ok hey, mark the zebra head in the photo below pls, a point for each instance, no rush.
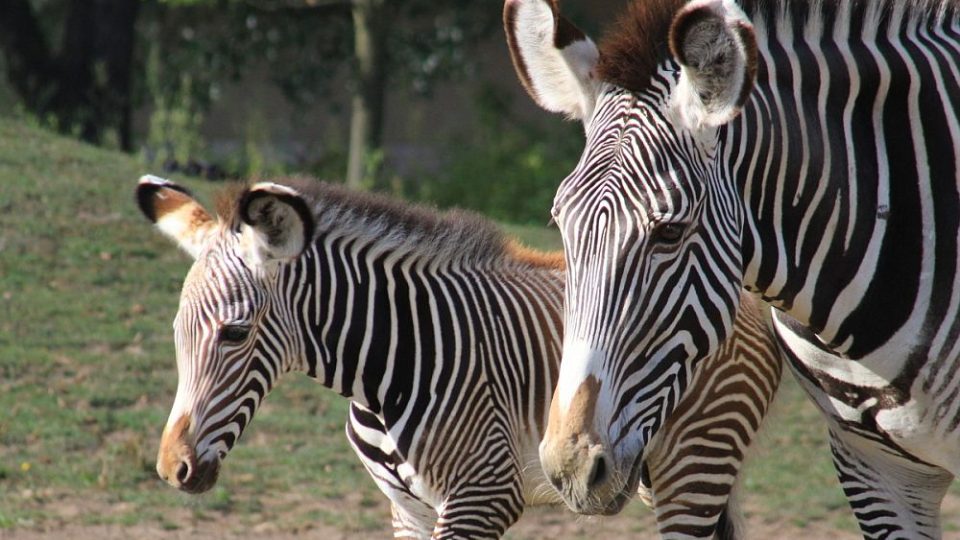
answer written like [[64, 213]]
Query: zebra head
[[650, 222], [228, 331]]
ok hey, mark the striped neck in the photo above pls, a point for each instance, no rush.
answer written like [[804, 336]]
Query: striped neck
[[384, 317], [834, 156]]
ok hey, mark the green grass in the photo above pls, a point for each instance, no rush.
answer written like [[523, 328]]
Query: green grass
[[88, 291], [87, 295], [790, 476]]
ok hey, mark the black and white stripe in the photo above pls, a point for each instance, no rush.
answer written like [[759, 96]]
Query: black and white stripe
[[447, 340], [834, 195]]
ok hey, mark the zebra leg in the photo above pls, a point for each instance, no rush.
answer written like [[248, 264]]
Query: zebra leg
[[892, 495], [410, 525], [710, 513], [693, 489], [481, 510], [412, 518], [692, 463]]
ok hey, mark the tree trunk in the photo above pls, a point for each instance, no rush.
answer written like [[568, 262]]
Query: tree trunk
[[114, 46], [74, 101], [30, 69], [68, 87], [366, 117]]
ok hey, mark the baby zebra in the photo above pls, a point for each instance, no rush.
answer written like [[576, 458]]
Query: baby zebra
[[446, 338]]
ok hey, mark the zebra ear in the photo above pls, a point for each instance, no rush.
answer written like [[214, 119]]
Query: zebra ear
[[715, 45], [175, 212], [277, 222], [553, 58]]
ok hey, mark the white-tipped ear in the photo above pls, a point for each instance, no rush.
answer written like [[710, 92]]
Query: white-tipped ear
[[175, 212], [714, 43], [553, 58], [277, 222]]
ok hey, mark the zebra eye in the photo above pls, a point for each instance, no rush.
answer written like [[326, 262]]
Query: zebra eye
[[234, 333], [669, 233]]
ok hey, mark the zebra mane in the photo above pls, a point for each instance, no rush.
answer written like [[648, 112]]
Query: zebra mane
[[638, 41], [452, 236], [631, 51]]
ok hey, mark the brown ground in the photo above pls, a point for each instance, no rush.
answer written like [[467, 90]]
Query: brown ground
[[537, 524]]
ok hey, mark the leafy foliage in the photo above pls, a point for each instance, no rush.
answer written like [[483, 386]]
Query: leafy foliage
[[307, 43], [506, 169], [309, 48], [218, 41]]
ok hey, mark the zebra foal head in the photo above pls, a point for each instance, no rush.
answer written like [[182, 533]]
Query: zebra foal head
[[649, 220], [228, 334]]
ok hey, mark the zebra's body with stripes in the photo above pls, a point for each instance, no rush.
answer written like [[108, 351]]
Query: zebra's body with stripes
[[807, 150], [446, 338]]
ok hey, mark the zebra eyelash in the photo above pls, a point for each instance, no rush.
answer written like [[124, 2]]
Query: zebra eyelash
[[233, 333], [669, 234]]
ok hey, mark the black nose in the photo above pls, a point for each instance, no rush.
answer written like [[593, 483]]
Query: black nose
[[598, 472], [556, 481], [183, 472]]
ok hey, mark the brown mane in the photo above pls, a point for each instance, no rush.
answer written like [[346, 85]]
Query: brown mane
[[631, 51], [452, 236], [550, 260], [638, 42], [225, 202]]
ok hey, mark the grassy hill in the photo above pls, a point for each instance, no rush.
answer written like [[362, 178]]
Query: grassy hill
[[87, 295]]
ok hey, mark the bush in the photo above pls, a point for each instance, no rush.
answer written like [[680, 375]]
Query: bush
[[506, 169]]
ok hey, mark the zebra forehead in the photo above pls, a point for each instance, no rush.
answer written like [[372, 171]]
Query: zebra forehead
[[219, 269]]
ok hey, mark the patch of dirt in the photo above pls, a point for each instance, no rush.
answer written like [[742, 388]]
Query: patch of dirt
[[183, 523]]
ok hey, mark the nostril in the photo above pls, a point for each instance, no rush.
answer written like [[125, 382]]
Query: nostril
[[183, 472], [556, 482], [598, 474]]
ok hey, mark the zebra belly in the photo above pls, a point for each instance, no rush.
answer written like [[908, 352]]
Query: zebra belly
[[404, 485], [904, 420]]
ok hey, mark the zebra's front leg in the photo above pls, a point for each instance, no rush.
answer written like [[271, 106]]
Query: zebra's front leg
[[480, 510], [409, 525], [412, 518], [892, 496], [689, 479], [705, 510]]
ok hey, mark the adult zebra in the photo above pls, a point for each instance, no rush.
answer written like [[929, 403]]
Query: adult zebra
[[807, 150], [445, 336]]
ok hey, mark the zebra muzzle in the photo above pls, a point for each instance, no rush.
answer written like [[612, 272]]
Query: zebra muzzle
[[177, 461], [575, 459]]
